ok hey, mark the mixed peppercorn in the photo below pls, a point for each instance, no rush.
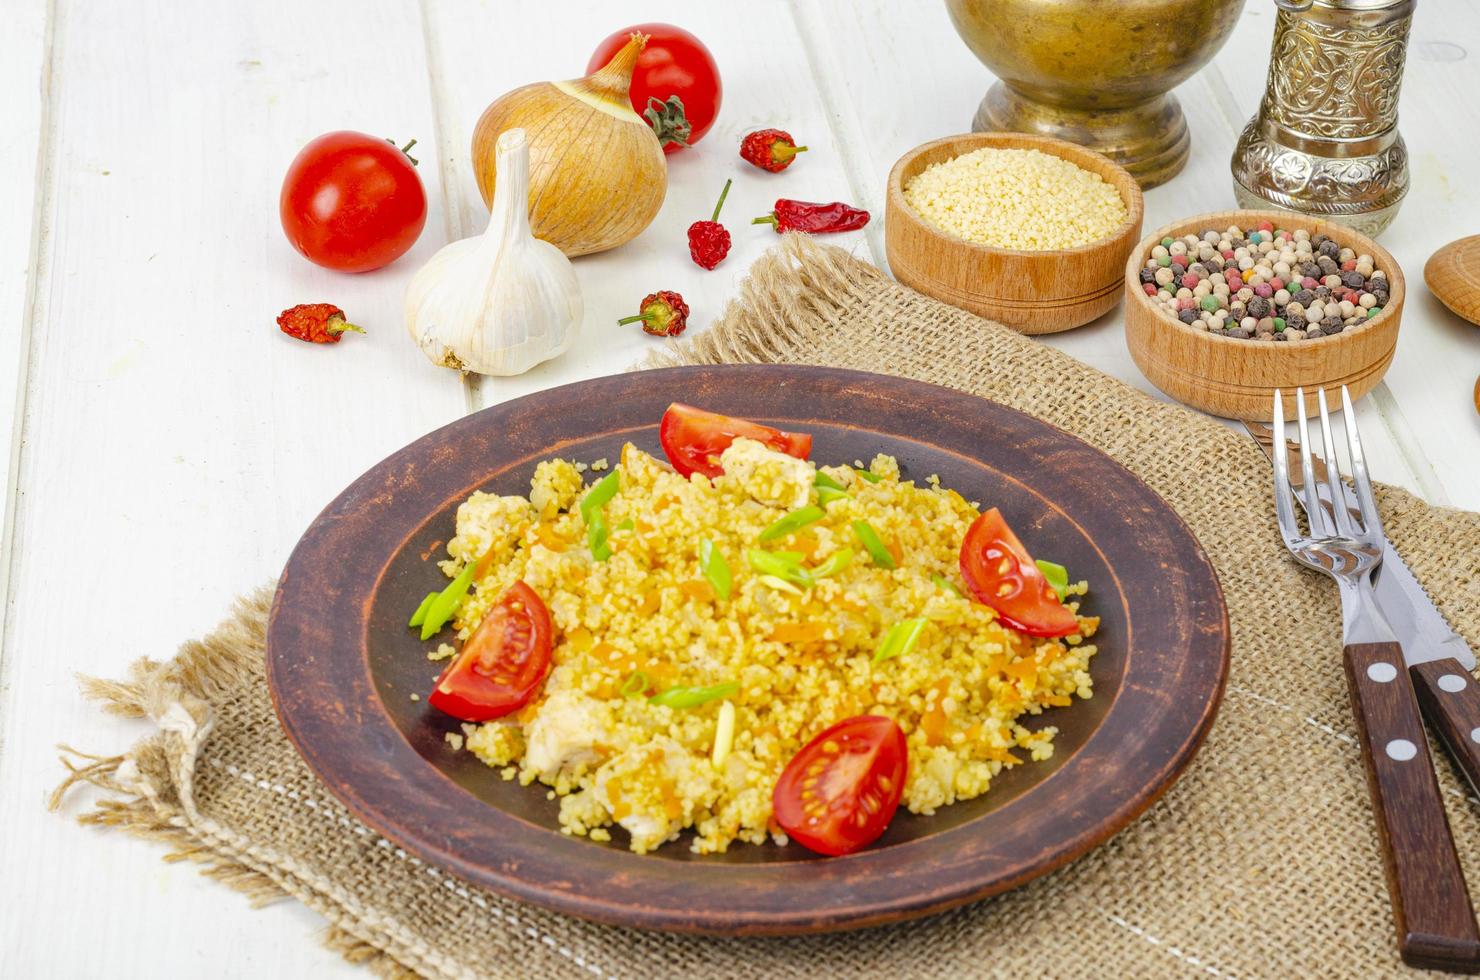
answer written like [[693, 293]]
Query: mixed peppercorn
[[1267, 284]]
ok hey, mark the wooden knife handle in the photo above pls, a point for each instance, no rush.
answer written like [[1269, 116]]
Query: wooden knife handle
[[1450, 700], [1431, 905]]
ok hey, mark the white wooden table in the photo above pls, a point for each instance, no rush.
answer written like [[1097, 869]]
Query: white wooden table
[[167, 445]]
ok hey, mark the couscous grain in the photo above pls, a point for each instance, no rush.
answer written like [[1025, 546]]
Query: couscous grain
[[790, 661], [1015, 198]]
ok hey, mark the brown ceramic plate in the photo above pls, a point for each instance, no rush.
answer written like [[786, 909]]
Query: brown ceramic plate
[[343, 665]]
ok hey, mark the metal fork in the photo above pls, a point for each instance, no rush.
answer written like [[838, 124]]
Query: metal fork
[[1431, 904]]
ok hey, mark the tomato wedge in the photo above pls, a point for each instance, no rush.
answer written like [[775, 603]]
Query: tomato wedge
[[840, 791], [693, 439], [503, 663], [999, 573]]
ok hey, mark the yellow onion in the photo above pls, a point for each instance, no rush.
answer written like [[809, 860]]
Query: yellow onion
[[597, 176]]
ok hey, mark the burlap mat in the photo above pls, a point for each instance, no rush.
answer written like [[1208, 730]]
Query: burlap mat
[[1261, 862]]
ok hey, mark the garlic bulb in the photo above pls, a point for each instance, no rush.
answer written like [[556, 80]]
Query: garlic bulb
[[598, 173], [504, 301]]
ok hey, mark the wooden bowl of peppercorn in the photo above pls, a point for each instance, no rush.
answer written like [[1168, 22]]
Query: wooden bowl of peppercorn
[[1033, 291], [1231, 366]]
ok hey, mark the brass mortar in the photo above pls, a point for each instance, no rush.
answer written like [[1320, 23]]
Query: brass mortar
[[1095, 72]]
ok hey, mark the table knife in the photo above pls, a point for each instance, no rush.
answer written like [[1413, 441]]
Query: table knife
[[1438, 659]]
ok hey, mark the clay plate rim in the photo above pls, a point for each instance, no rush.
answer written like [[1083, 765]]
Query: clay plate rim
[[327, 703]]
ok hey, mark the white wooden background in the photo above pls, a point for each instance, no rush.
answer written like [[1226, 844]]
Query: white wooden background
[[166, 445]]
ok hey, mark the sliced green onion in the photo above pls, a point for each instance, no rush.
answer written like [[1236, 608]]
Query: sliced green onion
[[835, 563], [715, 568], [793, 522], [724, 735], [869, 475], [420, 616], [597, 534], [692, 697], [1057, 575], [597, 531], [445, 606], [780, 564], [825, 481], [636, 684], [779, 584], [900, 639], [872, 543], [626, 525], [601, 494], [941, 582], [826, 495]]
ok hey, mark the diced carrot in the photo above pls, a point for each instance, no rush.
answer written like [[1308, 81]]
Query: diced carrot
[[604, 651], [650, 603], [550, 538], [1058, 701], [796, 632], [1023, 670], [934, 724], [484, 564], [698, 590], [642, 526], [528, 712], [807, 543], [672, 805], [894, 549]]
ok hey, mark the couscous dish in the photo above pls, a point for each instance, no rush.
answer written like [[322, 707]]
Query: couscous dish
[[748, 645]]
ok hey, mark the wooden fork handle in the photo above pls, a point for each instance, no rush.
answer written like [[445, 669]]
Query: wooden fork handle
[[1450, 700], [1431, 905]]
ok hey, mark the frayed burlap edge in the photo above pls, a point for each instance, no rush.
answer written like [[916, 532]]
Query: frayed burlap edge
[[148, 790], [795, 298]]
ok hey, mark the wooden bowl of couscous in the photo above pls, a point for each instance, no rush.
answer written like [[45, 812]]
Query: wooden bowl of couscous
[[1027, 230]]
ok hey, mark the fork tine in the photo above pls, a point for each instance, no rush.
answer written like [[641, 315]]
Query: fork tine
[[1333, 471], [1320, 522], [1283, 511], [1371, 521]]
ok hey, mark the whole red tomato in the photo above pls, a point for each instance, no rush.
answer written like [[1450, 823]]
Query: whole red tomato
[[352, 202], [674, 62]]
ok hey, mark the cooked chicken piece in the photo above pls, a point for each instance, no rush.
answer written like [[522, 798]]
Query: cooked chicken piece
[[564, 735], [766, 475]]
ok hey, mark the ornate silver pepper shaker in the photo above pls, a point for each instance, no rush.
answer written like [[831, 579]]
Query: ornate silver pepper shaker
[[1325, 141]]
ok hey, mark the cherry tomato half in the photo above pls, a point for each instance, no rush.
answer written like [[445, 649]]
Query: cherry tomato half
[[999, 573], [352, 202], [840, 791], [693, 439], [503, 663], [674, 62]]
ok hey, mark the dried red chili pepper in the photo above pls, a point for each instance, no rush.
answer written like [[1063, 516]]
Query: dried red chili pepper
[[770, 149], [709, 242], [663, 314], [317, 323], [814, 218]]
